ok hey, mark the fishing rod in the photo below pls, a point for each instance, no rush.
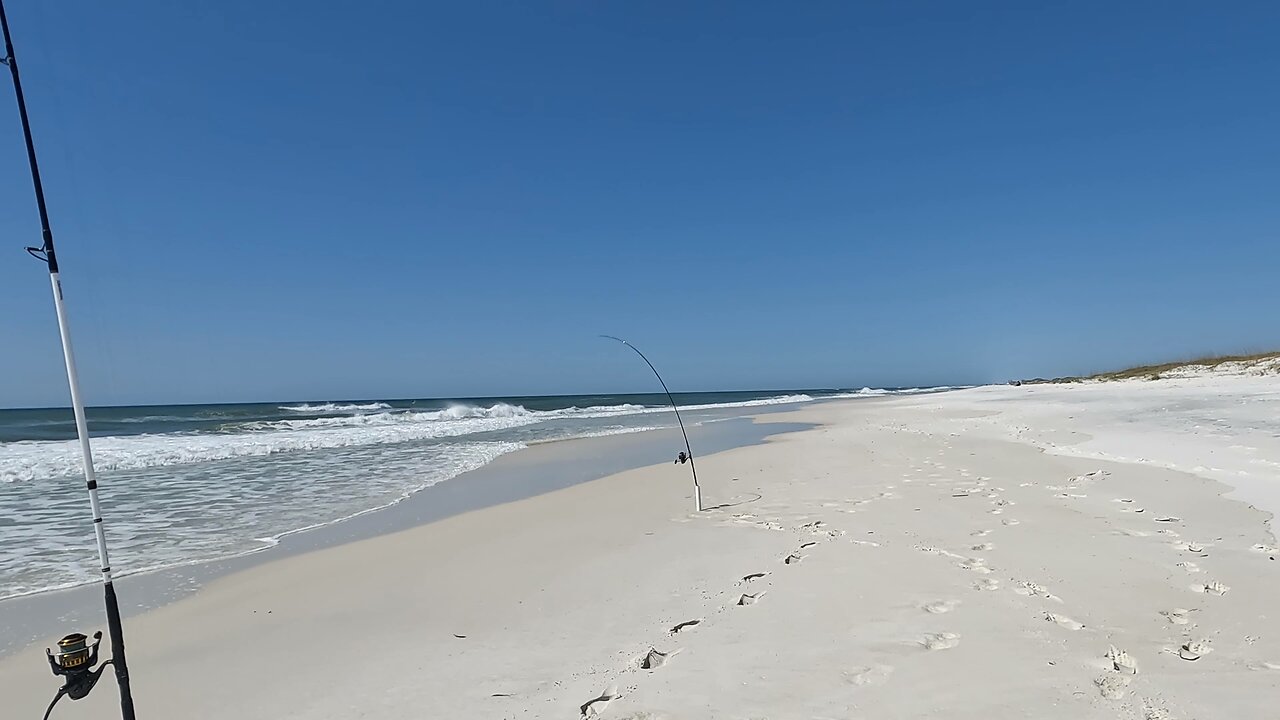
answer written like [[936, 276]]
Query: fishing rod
[[697, 490], [75, 658]]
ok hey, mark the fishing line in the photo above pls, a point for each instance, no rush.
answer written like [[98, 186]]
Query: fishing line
[[697, 490]]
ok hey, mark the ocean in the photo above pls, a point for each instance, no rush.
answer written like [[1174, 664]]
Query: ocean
[[183, 484]]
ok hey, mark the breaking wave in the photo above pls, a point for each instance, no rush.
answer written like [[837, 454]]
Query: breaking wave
[[333, 408], [372, 424]]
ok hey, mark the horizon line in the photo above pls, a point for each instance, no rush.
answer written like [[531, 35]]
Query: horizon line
[[471, 397]]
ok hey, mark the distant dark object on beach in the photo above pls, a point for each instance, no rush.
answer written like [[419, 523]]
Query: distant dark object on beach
[[1046, 381]]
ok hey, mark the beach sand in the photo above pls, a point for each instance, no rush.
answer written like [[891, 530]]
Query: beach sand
[[972, 554]]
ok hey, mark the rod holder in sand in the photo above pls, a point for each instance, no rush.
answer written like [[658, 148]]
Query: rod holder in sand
[[686, 456]]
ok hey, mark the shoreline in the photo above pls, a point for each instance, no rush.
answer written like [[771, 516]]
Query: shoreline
[[25, 618], [916, 557], [208, 483]]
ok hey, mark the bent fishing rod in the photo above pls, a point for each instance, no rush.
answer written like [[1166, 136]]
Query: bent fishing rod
[[75, 657], [697, 490]]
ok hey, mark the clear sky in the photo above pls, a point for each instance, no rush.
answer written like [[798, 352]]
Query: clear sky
[[289, 200]]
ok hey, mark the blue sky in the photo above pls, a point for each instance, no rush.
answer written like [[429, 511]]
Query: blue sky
[[392, 199]]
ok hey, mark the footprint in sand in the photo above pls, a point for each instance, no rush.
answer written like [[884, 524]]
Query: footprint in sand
[[1264, 665], [937, 551], [940, 606], [1122, 661], [685, 626], [792, 559], [1032, 589], [593, 707], [1011, 522], [749, 599], [1212, 588], [1266, 549], [1193, 650], [983, 546], [987, 584], [819, 527], [997, 511], [753, 576], [1189, 566], [980, 533], [869, 675], [1095, 475], [1177, 616], [977, 565], [940, 641], [1113, 685], [764, 525], [653, 659], [1029, 588], [1063, 621]]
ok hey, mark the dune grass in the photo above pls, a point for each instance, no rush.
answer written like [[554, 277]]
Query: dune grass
[[1154, 372]]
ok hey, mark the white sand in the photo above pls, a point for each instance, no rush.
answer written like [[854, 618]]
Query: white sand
[[941, 564]]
